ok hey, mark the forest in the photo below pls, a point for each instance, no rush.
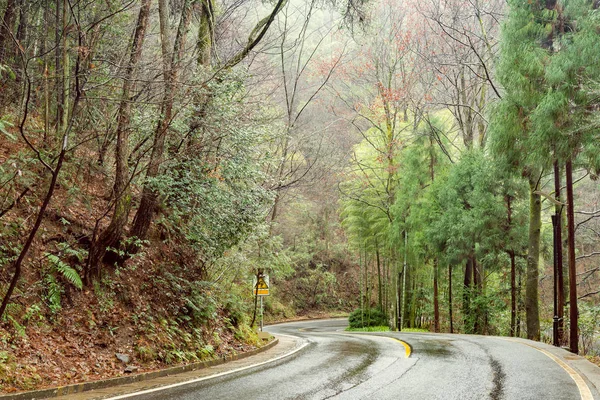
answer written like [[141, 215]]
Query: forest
[[422, 165]]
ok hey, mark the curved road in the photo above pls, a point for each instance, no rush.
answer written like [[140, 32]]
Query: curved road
[[340, 365]]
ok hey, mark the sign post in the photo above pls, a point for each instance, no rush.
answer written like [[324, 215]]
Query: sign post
[[261, 288]]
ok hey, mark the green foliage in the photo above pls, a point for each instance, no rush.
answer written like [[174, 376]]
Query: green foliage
[[105, 296], [145, 353], [471, 212], [246, 334], [8, 254], [414, 330], [33, 313], [236, 309], [316, 286], [589, 333], [19, 329], [216, 199], [382, 328], [57, 272], [6, 124], [197, 304], [6, 70], [58, 267], [486, 309], [367, 317], [54, 291], [125, 245]]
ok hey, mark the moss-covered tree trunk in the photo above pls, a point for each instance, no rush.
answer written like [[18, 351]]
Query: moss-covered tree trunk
[[206, 33]]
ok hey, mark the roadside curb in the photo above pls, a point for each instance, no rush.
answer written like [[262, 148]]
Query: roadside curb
[[587, 370], [123, 380]]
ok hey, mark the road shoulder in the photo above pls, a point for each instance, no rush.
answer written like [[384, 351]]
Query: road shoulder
[[111, 388], [588, 371]]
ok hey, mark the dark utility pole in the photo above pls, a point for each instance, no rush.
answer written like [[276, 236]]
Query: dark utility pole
[[558, 210], [573, 314]]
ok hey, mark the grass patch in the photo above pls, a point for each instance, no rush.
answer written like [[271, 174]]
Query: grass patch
[[370, 329], [409, 330]]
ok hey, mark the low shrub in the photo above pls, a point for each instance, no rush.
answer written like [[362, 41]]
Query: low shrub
[[365, 317]]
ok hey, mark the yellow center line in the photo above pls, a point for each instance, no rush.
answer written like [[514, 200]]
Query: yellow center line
[[584, 390], [407, 348]]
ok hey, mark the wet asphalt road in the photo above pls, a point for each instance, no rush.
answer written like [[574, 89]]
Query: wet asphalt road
[[340, 365]]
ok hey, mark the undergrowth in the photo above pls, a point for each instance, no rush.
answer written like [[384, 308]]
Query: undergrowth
[[379, 328]]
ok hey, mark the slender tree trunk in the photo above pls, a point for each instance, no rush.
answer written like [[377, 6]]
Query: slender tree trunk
[[467, 317], [436, 305], [513, 293], [280, 173], [412, 323], [121, 194], [513, 272], [403, 304], [368, 293], [49, 194], [38, 222], [398, 291], [386, 280], [65, 67], [258, 273], [532, 313], [45, 73], [477, 314], [23, 28], [559, 255], [573, 311], [408, 304], [379, 283], [519, 301], [450, 298], [57, 67], [466, 113], [171, 67]]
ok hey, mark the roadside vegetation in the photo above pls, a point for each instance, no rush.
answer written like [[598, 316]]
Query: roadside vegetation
[[381, 328], [399, 162]]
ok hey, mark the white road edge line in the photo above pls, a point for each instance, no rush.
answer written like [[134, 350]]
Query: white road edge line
[[584, 390], [174, 385]]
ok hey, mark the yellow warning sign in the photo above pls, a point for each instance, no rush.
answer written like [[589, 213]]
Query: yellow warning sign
[[261, 285]]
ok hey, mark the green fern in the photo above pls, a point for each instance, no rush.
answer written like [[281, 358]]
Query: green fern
[[68, 272], [20, 329], [54, 293]]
